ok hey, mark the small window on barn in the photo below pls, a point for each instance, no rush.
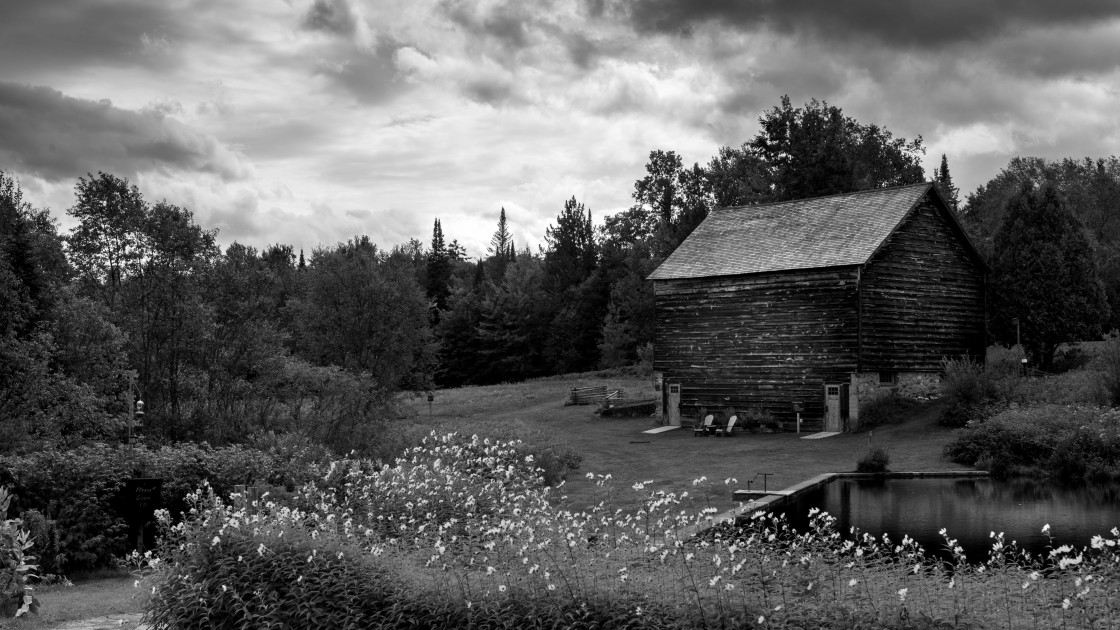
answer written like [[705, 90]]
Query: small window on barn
[[888, 378]]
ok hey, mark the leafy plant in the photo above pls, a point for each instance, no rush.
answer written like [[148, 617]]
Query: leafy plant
[[16, 598]]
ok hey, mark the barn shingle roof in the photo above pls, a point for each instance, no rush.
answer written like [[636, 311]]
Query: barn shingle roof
[[833, 231]]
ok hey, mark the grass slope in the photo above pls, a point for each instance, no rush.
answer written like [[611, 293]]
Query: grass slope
[[672, 460]]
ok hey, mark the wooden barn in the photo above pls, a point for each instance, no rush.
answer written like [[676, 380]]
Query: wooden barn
[[816, 305]]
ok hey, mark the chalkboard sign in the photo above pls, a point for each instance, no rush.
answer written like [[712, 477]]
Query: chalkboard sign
[[141, 500]]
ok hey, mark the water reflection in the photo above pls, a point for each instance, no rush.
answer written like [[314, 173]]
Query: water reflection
[[969, 508]]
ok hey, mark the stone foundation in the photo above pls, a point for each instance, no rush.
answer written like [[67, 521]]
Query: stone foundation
[[865, 387]]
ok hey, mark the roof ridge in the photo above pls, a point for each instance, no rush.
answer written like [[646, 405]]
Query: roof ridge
[[843, 194]]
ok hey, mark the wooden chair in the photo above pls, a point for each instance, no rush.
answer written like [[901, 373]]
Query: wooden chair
[[703, 428], [726, 430]]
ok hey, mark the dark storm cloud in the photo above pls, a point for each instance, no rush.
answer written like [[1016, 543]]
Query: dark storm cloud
[[515, 28], [902, 23], [54, 136], [1061, 52], [332, 16], [49, 35]]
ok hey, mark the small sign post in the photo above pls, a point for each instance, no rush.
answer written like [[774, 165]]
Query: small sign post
[[141, 499], [797, 409]]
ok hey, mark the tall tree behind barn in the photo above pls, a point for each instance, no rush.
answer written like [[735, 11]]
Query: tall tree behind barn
[[825, 302]]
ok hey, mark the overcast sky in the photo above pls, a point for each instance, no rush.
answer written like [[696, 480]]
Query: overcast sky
[[311, 121]]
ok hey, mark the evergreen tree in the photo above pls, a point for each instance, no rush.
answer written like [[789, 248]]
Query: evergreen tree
[[944, 182], [501, 247], [571, 255], [479, 275], [302, 263], [1044, 273], [455, 251], [438, 276], [578, 294], [502, 240]]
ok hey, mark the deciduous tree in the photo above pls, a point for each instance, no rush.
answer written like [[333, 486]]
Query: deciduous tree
[[816, 150]]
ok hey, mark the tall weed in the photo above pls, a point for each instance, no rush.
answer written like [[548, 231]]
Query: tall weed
[[16, 564], [969, 389], [1107, 364]]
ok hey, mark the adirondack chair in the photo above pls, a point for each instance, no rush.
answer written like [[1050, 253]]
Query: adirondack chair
[[703, 428], [726, 430]]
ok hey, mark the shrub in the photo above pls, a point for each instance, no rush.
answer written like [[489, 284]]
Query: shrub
[[1070, 357], [1068, 443], [754, 419], [875, 461], [78, 492], [887, 409]]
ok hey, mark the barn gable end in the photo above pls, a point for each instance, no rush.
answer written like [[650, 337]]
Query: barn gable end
[[922, 296]]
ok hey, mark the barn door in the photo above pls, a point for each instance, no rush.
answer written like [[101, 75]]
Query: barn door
[[831, 407], [673, 413]]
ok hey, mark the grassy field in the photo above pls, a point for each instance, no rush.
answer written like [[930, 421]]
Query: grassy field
[[671, 460], [114, 597]]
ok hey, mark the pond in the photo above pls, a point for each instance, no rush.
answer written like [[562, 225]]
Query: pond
[[970, 508]]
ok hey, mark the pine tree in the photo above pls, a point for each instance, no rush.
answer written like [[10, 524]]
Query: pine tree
[[438, 270], [302, 263], [502, 240], [501, 248], [479, 274], [571, 254], [944, 182]]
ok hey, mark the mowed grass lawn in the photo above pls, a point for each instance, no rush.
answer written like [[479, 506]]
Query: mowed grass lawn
[[671, 460]]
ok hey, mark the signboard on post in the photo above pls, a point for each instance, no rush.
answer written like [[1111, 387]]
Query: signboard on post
[[141, 500]]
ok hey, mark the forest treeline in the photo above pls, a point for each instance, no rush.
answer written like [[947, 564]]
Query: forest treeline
[[226, 344]]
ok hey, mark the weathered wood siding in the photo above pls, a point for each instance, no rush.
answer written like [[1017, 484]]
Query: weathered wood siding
[[758, 341], [922, 297]]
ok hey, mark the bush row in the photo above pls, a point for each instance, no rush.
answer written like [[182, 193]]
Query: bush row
[[71, 500], [1062, 441]]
